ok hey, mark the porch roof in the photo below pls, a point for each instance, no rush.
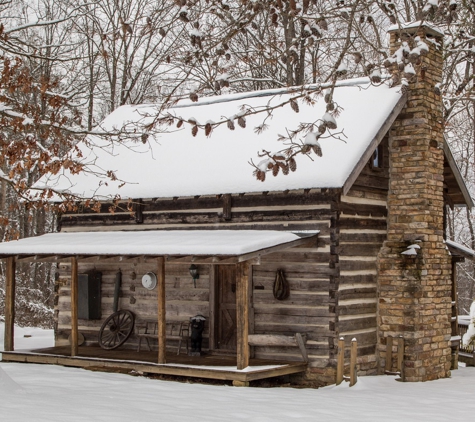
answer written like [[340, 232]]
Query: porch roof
[[456, 249], [219, 246]]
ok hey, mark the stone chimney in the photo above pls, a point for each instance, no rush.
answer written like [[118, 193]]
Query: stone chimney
[[414, 284]]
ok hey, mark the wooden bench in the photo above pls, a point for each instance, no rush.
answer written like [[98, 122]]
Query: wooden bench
[[148, 330], [298, 340], [466, 354], [467, 358]]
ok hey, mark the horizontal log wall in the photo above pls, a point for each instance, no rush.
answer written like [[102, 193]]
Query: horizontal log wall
[[362, 231], [183, 300], [309, 310], [332, 286], [296, 210]]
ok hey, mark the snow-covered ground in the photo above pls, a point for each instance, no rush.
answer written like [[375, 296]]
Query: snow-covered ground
[[47, 393]]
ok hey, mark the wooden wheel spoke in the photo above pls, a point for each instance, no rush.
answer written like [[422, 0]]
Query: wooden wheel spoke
[[116, 329], [107, 336]]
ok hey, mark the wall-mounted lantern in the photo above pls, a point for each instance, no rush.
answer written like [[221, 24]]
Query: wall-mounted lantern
[[194, 273]]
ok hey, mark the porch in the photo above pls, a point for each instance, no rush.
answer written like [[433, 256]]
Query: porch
[[228, 255], [144, 362]]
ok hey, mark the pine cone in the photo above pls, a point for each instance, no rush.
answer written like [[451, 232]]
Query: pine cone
[[230, 124], [194, 130], [242, 122]]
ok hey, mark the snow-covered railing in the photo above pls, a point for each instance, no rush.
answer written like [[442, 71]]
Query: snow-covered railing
[[463, 324], [466, 351]]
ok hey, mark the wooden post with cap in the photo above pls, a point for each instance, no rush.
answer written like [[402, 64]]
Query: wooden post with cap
[[9, 304], [162, 323], [242, 314], [74, 307]]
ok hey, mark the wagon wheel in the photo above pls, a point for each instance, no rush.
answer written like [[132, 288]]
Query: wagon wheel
[[116, 329]]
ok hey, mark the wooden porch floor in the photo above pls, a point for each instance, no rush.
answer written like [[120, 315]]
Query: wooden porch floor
[[206, 366]]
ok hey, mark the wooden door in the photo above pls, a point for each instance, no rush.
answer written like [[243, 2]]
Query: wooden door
[[226, 308]]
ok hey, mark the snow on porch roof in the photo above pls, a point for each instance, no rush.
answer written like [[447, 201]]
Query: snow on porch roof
[[460, 250], [157, 243], [177, 164]]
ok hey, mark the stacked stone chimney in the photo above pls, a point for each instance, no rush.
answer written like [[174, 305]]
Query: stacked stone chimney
[[415, 289]]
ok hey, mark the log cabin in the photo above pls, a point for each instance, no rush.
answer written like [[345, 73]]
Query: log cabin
[[351, 245]]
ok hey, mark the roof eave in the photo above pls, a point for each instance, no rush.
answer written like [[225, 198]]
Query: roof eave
[[458, 176], [374, 143], [305, 239]]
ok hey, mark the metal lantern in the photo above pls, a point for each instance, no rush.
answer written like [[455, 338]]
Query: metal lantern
[[194, 273]]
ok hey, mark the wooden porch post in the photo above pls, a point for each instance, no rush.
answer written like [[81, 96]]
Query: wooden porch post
[[9, 304], [162, 323], [242, 314], [74, 306]]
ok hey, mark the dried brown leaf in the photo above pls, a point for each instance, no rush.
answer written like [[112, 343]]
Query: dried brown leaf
[[317, 150], [294, 105], [292, 164]]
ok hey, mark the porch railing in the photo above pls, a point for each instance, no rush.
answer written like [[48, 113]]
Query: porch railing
[[466, 353], [463, 323]]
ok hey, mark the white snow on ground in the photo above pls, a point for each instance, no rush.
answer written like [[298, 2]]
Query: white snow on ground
[[28, 338], [50, 393]]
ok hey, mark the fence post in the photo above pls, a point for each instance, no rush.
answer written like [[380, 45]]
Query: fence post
[[389, 354], [340, 361], [353, 353], [400, 356]]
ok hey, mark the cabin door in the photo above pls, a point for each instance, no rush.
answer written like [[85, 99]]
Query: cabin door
[[226, 308]]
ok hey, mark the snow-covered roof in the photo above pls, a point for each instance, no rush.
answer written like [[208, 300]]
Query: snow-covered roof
[[459, 249], [160, 242], [176, 163]]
